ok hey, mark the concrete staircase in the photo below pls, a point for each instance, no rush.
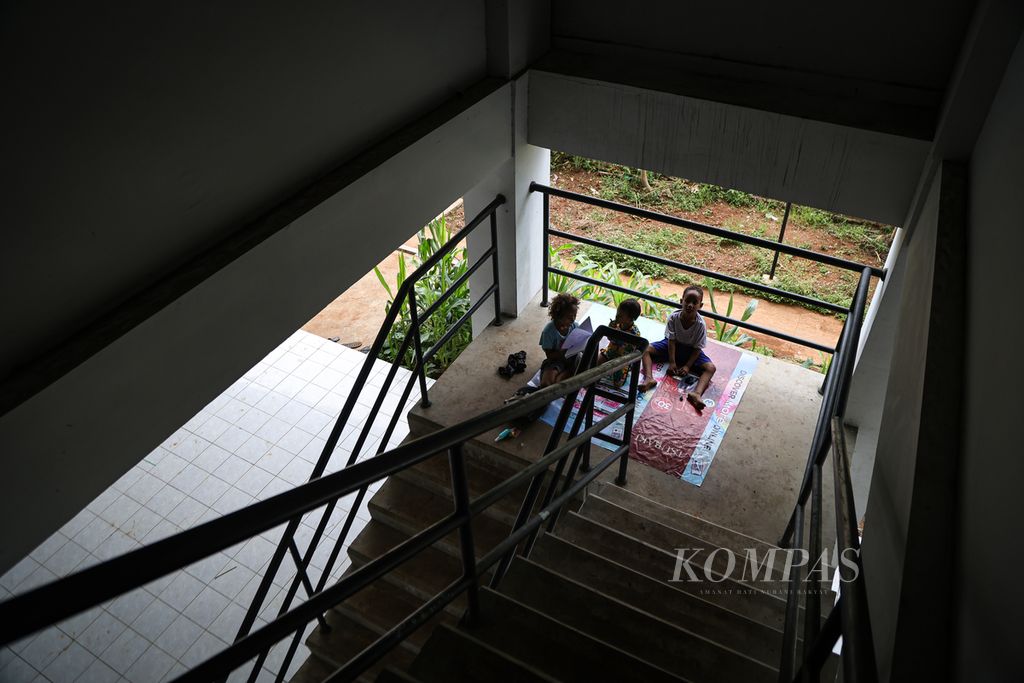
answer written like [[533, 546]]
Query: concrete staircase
[[594, 601]]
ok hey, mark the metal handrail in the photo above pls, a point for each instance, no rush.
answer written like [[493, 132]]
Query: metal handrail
[[404, 295], [704, 272], [849, 618], [708, 229], [707, 314], [850, 613], [833, 400], [547, 268], [858, 644], [26, 613]]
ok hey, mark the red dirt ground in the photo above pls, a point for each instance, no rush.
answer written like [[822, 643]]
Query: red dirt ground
[[356, 315]]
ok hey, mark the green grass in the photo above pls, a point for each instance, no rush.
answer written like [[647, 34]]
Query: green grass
[[674, 195], [865, 234], [792, 275], [623, 184], [796, 284], [657, 243], [561, 160]]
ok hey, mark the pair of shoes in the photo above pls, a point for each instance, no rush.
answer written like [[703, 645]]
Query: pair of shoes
[[516, 364]]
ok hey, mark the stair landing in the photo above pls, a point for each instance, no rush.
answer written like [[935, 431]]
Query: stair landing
[[753, 482]]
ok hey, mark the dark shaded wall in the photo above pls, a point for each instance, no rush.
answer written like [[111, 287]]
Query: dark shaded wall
[[991, 525], [135, 140], [137, 136]]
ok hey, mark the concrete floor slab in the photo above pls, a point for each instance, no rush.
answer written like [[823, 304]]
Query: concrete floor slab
[[752, 485], [260, 437]]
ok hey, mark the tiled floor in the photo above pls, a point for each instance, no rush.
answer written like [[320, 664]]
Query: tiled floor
[[258, 438]]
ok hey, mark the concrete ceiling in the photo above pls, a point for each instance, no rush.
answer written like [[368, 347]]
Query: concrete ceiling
[[877, 65], [912, 43]]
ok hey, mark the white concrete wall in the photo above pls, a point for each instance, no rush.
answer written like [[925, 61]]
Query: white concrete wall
[[857, 172], [71, 440], [987, 542], [517, 34], [870, 380], [888, 509], [520, 232]]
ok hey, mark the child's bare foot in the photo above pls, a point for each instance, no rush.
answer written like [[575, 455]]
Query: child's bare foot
[[696, 401], [648, 385]]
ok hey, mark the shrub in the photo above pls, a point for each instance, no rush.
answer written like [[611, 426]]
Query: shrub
[[822, 367], [428, 290], [723, 332]]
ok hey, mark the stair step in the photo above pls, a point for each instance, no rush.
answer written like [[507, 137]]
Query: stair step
[[560, 651], [380, 607], [410, 509], [313, 670], [345, 640], [423, 576], [659, 564], [630, 629], [670, 539], [502, 458], [715, 535], [663, 600], [456, 656], [392, 675], [434, 474]]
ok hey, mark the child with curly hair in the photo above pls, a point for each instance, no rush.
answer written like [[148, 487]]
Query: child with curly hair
[[556, 367]]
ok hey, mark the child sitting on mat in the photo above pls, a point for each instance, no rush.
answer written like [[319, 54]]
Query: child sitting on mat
[[625, 320], [556, 367], [683, 346]]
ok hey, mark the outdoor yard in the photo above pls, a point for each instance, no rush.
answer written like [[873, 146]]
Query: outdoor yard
[[356, 315]]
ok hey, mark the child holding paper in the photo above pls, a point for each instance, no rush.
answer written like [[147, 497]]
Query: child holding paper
[[556, 367]]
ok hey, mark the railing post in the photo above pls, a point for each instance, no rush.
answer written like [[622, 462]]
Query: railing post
[[583, 451], [782, 233], [544, 249], [585, 466], [858, 644], [460, 493], [494, 263], [627, 433], [812, 605], [787, 666], [414, 323], [828, 371], [530, 498]]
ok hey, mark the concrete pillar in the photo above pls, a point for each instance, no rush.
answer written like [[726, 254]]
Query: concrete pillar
[[520, 234], [517, 33]]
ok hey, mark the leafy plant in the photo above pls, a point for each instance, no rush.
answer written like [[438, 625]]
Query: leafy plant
[[822, 367], [564, 284], [639, 282], [658, 242], [761, 349], [428, 290], [611, 273], [723, 332]]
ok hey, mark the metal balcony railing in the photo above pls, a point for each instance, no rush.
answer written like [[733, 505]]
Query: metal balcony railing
[[24, 614], [849, 617], [826, 259]]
